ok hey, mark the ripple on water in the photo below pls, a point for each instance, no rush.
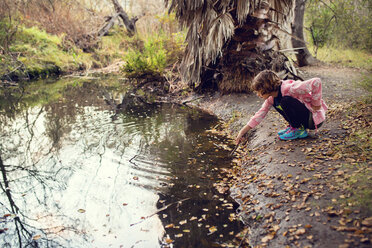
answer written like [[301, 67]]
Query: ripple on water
[[94, 173]]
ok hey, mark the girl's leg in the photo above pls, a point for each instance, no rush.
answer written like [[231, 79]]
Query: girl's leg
[[296, 113]]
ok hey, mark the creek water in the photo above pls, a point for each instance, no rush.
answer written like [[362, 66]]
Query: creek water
[[76, 173]]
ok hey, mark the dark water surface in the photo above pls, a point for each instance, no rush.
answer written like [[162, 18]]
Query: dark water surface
[[76, 174]]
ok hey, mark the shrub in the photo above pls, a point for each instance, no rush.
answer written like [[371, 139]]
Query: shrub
[[151, 52], [150, 60]]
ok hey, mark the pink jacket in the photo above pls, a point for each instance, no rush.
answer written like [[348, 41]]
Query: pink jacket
[[308, 92]]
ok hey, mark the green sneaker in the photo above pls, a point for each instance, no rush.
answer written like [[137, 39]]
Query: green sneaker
[[294, 133]]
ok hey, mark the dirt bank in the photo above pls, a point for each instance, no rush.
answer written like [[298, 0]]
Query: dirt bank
[[296, 193]]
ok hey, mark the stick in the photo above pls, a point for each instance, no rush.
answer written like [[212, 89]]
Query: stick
[[192, 100], [163, 208], [232, 152]]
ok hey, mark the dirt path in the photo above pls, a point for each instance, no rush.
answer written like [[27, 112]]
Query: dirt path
[[297, 193]]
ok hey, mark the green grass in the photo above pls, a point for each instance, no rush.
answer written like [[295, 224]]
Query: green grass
[[343, 56], [40, 54], [359, 184], [39, 50], [366, 82]]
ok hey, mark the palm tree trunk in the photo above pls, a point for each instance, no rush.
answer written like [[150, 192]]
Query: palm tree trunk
[[298, 41]]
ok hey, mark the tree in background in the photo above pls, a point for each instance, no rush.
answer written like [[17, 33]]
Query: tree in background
[[8, 25], [342, 23], [303, 55]]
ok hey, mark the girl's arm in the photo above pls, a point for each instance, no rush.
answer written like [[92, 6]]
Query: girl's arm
[[256, 119], [261, 113]]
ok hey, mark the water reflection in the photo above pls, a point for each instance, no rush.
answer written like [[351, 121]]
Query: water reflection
[[74, 176]]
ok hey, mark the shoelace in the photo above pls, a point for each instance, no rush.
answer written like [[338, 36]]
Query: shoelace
[[291, 129]]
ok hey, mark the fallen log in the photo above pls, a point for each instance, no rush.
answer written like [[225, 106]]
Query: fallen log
[[130, 24], [107, 26]]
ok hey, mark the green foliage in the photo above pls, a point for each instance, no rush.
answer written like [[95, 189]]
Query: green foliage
[[366, 82], [149, 60], [37, 53], [320, 19], [346, 23], [152, 53], [41, 53]]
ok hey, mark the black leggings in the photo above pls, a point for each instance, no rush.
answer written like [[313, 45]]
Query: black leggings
[[296, 113]]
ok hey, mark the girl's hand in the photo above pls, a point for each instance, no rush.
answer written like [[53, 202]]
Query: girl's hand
[[316, 108], [239, 138], [241, 134]]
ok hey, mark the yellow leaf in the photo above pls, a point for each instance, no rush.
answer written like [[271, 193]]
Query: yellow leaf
[[300, 231], [193, 218], [81, 211], [36, 237], [212, 229], [168, 241], [367, 221], [182, 222], [267, 238]]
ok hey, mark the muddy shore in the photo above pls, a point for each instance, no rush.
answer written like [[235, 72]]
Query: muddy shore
[[289, 192]]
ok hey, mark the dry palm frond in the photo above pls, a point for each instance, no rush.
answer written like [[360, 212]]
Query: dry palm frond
[[212, 24], [242, 10], [220, 31]]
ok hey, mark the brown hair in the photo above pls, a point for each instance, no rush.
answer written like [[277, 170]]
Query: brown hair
[[266, 82]]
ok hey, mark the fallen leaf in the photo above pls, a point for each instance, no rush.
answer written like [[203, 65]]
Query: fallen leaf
[[343, 246], [182, 222], [36, 237], [267, 238], [300, 231], [81, 211], [276, 228], [367, 221], [193, 218], [168, 240], [212, 229]]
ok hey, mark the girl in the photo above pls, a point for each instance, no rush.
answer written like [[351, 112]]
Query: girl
[[299, 102]]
